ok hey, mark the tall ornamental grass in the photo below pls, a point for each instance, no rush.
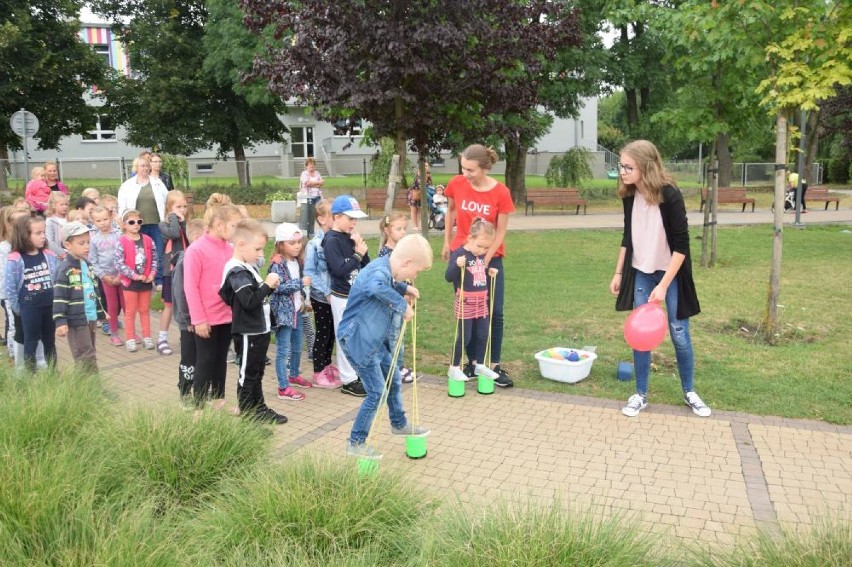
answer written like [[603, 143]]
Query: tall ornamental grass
[[313, 511], [523, 534]]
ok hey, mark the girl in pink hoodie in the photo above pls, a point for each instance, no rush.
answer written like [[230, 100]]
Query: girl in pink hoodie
[[210, 318]]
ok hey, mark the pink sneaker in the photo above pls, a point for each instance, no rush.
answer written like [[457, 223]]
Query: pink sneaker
[[335, 373], [300, 382], [115, 341], [289, 393], [325, 379]]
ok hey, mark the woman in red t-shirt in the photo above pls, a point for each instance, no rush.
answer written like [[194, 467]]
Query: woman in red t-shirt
[[471, 195]]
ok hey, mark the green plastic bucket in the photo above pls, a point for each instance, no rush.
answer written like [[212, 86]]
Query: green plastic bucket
[[484, 385], [455, 388], [367, 467], [415, 447]]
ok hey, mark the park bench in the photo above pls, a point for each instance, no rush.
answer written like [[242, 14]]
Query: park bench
[[817, 193], [729, 195], [375, 201], [557, 197]]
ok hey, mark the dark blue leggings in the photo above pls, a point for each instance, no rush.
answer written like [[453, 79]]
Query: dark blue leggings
[[497, 318], [37, 324]]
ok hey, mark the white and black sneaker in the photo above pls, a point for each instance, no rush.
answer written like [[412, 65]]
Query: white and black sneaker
[[635, 404], [699, 408], [502, 379], [354, 388]]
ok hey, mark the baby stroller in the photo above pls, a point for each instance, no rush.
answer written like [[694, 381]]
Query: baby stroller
[[436, 215], [789, 200]]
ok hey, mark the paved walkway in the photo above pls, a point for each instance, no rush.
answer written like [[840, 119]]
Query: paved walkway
[[553, 221], [707, 480]]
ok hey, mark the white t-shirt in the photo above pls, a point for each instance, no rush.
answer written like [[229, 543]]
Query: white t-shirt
[[650, 248], [293, 269]]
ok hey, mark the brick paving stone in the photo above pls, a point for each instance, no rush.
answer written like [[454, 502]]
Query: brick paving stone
[[798, 499]]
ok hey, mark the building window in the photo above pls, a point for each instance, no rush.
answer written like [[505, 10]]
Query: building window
[[104, 130], [204, 168], [102, 50]]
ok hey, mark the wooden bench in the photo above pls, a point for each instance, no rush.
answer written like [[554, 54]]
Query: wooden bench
[[817, 193], [729, 195], [375, 200], [559, 197]]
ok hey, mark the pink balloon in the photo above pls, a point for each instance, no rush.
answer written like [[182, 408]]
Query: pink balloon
[[645, 327]]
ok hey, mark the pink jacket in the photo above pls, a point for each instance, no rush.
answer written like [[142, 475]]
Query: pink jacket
[[37, 194], [203, 264]]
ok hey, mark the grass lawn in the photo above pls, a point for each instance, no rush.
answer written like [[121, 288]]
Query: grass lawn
[[556, 295]]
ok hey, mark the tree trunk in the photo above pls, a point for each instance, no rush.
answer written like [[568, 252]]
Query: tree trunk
[[632, 108], [399, 144], [723, 153], [242, 165], [771, 323], [424, 194], [4, 163], [630, 93], [812, 143], [705, 233], [393, 181], [516, 168]]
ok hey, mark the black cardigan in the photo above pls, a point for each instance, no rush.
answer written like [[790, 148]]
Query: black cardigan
[[673, 212]]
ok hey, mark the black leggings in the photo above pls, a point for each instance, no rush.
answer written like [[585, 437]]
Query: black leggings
[[475, 340], [211, 363], [324, 338]]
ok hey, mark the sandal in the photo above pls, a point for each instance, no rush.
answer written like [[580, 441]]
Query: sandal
[[407, 375], [164, 348]]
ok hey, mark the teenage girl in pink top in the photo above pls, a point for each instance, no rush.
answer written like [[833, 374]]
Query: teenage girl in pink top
[[203, 264]]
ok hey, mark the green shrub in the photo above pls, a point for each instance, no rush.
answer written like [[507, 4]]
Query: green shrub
[[53, 509], [312, 511], [838, 170], [569, 169], [828, 544], [253, 195], [529, 535], [174, 457]]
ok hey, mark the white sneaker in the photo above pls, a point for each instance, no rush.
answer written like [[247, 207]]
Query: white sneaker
[[635, 404], [699, 408], [456, 373], [363, 451], [130, 345], [482, 370], [149, 343]]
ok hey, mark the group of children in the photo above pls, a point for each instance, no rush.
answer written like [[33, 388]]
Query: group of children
[[69, 272], [214, 289]]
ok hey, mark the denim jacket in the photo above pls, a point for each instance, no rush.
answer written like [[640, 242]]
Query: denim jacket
[[316, 268], [283, 308], [372, 320]]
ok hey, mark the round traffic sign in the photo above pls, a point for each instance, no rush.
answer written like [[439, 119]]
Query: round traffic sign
[[24, 123]]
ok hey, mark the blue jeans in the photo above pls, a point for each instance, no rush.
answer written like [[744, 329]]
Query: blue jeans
[[678, 330], [153, 230], [288, 352], [373, 379]]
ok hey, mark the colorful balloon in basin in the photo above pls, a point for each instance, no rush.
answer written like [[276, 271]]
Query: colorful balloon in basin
[[645, 327]]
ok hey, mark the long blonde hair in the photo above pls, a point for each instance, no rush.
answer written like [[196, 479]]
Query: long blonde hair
[[386, 221], [651, 170]]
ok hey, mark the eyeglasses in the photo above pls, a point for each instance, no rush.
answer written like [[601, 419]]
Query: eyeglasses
[[134, 222], [625, 168]]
